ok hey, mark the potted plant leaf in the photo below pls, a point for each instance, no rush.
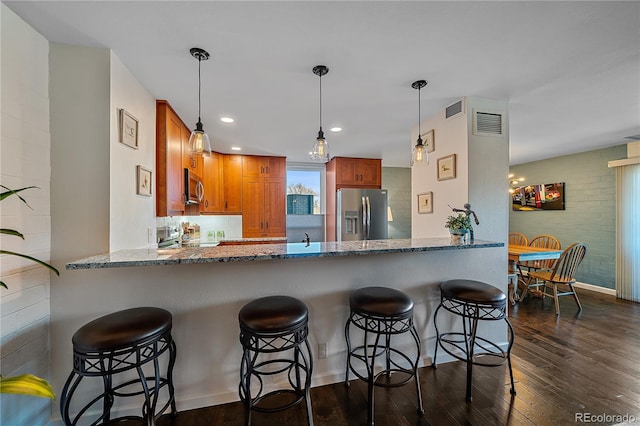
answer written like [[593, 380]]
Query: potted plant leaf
[[459, 226], [25, 384]]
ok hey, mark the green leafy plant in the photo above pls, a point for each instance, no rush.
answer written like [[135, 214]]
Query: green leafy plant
[[461, 222], [25, 384]]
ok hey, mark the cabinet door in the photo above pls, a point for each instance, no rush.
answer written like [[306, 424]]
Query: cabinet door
[[252, 166], [346, 172], [253, 212], [169, 172], [275, 216], [232, 171], [213, 185], [369, 172], [275, 167]]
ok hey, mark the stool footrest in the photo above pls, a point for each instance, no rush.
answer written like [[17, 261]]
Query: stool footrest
[[459, 341]]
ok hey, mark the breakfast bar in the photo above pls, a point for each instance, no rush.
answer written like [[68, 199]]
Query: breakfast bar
[[204, 289]]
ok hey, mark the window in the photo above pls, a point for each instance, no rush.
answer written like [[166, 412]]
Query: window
[[305, 188]]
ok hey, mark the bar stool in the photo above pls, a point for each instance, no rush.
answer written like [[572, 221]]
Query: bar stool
[[473, 301], [383, 313], [116, 343], [270, 325]]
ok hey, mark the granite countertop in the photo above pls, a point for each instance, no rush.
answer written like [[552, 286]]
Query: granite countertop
[[243, 253]]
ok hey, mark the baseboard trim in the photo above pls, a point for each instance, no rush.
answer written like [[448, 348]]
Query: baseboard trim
[[596, 288]]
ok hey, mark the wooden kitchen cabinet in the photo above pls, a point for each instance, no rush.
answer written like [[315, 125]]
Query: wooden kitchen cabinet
[[170, 134], [263, 197], [213, 201], [356, 172], [232, 183], [347, 172]]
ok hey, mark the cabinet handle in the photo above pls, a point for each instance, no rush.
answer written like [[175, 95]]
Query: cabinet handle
[[267, 227], [268, 170], [262, 169], [206, 204], [225, 204], [260, 225]]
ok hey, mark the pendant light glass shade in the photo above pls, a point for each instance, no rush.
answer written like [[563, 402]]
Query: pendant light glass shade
[[320, 150], [419, 154], [199, 140]]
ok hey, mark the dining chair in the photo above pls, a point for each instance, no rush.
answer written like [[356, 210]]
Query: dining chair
[[518, 239], [540, 241], [562, 273]]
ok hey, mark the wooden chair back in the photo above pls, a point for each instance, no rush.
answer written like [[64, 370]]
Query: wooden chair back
[[564, 268], [543, 241], [518, 239]]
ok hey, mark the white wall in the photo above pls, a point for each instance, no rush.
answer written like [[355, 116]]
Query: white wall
[[131, 215], [24, 156], [481, 171], [450, 137]]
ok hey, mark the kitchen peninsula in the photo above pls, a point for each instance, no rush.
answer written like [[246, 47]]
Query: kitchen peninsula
[[204, 288]]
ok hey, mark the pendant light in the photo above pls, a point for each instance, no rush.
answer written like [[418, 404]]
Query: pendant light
[[199, 140], [320, 151], [419, 155]]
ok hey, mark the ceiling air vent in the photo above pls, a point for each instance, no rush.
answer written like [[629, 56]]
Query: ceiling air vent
[[453, 109], [486, 123]]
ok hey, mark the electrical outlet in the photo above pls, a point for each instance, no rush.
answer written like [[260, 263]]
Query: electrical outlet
[[322, 350]]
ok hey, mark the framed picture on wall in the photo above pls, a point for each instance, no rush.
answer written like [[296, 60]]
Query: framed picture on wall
[[143, 181], [428, 139], [447, 167], [128, 129], [425, 202]]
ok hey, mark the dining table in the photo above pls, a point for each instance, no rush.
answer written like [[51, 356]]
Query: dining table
[[519, 253]]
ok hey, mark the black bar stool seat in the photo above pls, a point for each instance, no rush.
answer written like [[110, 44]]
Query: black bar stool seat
[[275, 324], [474, 301], [119, 342], [382, 312]]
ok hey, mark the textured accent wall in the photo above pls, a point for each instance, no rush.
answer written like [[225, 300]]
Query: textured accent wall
[[25, 147], [397, 180], [589, 217]]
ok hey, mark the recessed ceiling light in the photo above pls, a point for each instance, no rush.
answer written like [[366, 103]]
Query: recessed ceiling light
[[336, 129], [236, 148], [227, 119]]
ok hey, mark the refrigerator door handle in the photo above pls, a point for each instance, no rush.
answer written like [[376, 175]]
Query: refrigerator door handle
[[364, 218], [368, 218]]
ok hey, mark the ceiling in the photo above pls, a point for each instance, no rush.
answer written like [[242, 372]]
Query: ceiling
[[569, 70]]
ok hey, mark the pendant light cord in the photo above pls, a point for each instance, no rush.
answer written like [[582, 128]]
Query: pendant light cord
[[199, 89], [320, 101], [419, 112]]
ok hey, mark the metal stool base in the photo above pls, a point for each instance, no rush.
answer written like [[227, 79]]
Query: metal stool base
[[106, 364], [467, 346], [254, 344]]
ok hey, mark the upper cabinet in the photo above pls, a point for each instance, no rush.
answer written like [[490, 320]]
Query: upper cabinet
[[171, 135], [356, 172], [213, 200], [232, 182]]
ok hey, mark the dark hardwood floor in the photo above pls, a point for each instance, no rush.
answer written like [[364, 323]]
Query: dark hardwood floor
[[587, 363]]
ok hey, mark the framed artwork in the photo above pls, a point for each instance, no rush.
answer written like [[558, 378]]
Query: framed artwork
[[128, 129], [547, 196], [447, 167], [425, 202], [428, 139], [143, 181]]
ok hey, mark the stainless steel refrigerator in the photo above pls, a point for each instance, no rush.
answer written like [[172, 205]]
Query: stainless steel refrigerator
[[361, 214]]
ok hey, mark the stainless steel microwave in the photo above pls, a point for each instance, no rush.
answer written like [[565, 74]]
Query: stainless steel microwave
[[193, 188]]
